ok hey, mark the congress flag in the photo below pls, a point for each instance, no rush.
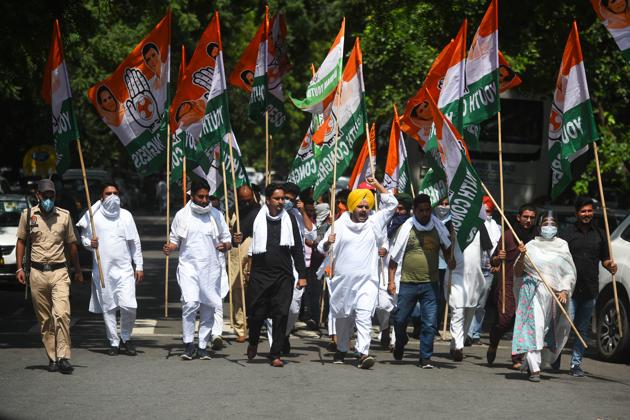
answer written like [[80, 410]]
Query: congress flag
[[397, 173]]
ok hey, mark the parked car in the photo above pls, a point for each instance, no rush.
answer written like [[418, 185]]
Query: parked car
[[11, 206], [611, 345]]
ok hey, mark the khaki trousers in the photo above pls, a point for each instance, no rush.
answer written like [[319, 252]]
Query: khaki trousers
[[50, 293], [235, 281]]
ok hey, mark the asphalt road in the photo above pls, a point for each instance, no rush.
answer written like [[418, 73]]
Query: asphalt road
[[157, 384]]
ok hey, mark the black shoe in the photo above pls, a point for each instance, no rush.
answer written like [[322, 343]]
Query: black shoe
[[65, 367], [311, 325], [217, 343], [399, 352], [189, 352], [468, 341], [366, 362], [128, 348], [286, 348], [386, 339], [112, 351], [425, 364], [577, 371], [203, 354], [491, 354], [338, 357], [52, 366]]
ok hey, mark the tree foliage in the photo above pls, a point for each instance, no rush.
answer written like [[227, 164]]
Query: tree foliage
[[400, 39]]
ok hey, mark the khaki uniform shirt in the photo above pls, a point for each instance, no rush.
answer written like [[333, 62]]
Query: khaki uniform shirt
[[49, 232]]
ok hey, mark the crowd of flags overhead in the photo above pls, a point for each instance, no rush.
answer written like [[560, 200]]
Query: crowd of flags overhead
[[461, 90]]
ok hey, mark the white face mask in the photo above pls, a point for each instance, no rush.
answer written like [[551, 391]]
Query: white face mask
[[548, 232], [111, 206], [442, 212], [198, 209]]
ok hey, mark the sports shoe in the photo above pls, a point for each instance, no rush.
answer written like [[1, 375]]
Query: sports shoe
[[366, 362], [277, 362], [534, 377], [576, 371], [252, 351], [189, 351], [338, 357], [217, 343], [65, 366], [399, 352], [128, 348], [112, 351], [491, 354], [202, 354], [425, 364], [52, 366]]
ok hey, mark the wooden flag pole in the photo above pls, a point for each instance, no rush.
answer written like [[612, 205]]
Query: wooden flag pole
[[322, 300], [267, 180], [607, 227], [229, 265], [502, 221], [238, 227], [333, 191], [184, 189], [448, 295], [369, 144], [168, 213], [89, 206], [542, 278]]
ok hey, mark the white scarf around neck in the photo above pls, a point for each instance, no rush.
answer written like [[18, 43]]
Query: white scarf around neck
[[259, 239], [398, 248]]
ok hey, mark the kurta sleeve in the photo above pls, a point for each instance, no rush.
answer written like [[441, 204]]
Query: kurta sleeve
[[297, 250], [224, 230], [386, 212], [86, 238], [174, 238], [135, 247], [320, 245]]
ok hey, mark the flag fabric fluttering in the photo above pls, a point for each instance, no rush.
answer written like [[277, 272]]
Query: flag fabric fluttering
[[303, 171], [508, 78], [363, 167], [615, 16], [57, 93], [260, 70], [326, 79], [216, 130], [464, 185], [133, 100], [397, 173], [571, 123], [347, 121]]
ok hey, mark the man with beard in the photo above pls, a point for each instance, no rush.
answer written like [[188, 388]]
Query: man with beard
[[353, 287], [200, 233], [276, 248], [526, 230], [119, 244], [248, 209]]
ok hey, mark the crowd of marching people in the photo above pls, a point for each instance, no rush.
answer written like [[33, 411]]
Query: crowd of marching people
[[365, 257]]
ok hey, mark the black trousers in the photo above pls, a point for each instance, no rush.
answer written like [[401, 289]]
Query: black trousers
[[269, 298]]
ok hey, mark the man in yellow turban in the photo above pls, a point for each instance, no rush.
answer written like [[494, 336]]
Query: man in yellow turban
[[354, 283]]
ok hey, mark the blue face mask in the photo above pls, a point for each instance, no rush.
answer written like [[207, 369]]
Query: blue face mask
[[47, 204], [548, 232], [288, 205]]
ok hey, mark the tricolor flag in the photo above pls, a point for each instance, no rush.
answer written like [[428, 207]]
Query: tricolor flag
[[57, 93], [260, 70], [133, 100], [397, 174], [417, 120], [189, 104], [216, 130], [482, 70], [571, 123], [347, 120], [464, 186], [326, 79], [508, 78], [303, 171], [615, 16], [363, 168]]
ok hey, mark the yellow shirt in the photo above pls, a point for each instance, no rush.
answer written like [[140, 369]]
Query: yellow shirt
[[49, 233]]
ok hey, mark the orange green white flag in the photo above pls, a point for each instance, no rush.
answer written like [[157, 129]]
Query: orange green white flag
[[133, 100], [57, 93], [615, 16], [571, 123], [397, 173], [363, 167], [508, 78]]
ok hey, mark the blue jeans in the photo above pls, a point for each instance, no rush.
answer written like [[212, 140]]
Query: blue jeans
[[581, 311], [426, 295]]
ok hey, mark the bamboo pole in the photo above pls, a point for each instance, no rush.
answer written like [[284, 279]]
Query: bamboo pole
[[229, 265], [333, 191], [184, 178], [502, 221], [542, 278], [448, 295], [89, 206], [238, 228], [267, 181], [322, 300], [607, 227], [168, 214]]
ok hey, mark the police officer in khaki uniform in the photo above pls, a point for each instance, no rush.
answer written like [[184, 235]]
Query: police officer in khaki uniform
[[51, 230]]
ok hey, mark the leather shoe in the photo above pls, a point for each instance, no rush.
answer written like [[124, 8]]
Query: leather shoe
[[128, 348], [491, 354], [458, 355], [277, 362], [65, 366], [112, 351], [252, 351], [52, 366]]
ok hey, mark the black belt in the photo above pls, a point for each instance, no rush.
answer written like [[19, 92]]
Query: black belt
[[47, 266]]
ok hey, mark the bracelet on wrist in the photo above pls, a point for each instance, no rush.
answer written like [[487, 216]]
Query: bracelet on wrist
[[19, 269]]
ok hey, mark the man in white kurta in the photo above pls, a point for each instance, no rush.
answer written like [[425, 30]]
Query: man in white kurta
[[201, 234], [119, 244], [353, 287]]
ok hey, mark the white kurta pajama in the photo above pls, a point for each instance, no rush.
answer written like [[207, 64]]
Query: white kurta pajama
[[354, 285], [119, 245], [199, 269]]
